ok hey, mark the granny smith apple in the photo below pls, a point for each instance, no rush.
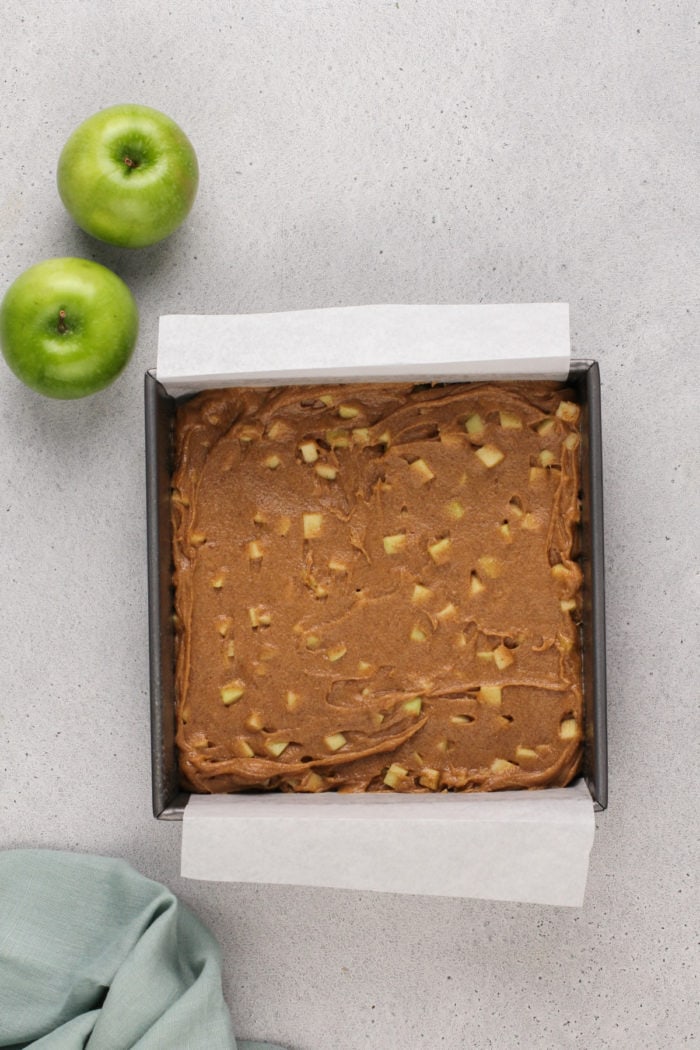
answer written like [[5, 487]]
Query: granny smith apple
[[128, 175], [68, 327]]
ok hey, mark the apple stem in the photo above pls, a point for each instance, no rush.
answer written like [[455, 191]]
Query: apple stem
[[130, 163], [62, 326]]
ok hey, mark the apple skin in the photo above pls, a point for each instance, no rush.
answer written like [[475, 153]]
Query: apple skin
[[128, 175], [68, 327]]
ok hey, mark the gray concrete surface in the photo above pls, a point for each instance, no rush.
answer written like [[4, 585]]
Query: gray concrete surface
[[367, 151]]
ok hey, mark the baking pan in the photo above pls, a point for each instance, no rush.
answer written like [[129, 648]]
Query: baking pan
[[169, 799]]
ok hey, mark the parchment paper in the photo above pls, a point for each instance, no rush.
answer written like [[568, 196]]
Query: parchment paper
[[510, 845], [521, 340]]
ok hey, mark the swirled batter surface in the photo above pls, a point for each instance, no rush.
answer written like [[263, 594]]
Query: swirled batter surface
[[376, 588]]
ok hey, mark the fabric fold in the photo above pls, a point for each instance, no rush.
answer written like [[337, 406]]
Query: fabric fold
[[94, 956]]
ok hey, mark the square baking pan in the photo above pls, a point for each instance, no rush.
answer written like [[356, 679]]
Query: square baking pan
[[169, 799]]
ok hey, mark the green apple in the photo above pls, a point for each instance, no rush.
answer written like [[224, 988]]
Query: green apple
[[128, 176], [68, 327]]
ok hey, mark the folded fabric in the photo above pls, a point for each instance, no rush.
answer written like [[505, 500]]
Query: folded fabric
[[93, 956]]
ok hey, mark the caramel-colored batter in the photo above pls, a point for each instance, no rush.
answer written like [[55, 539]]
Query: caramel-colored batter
[[375, 588]]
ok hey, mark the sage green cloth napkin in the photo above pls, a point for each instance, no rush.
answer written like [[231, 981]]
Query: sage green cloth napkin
[[93, 956]]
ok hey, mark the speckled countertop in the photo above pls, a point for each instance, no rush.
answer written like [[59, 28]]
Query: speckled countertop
[[376, 152]]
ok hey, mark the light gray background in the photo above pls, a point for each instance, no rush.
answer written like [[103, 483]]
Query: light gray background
[[375, 151]]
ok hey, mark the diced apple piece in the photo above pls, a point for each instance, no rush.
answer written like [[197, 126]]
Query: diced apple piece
[[546, 426], [312, 782], [360, 436], [460, 641], [384, 439], [509, 421], [455, 510], [430, 778], [568, 729], [324, 470], [223, 625], [486, 655], [254, 721], [326, 399], [394, 775], [291, 700], [377, 718], [318, 589], [276, 747], [363, 666], [232, 691], [309, 451], [568, 605], [561, 573], [490, 566], [231, 650], [272, 462], [567, 411], [422, 471], [460, 720], [218, 581], [525, 752], [414, 706], [395, 544], [489, 455], [312, 642], [530, 523], [440, 551], [502, 765], [504, 530], [475, 424], [336, 652], [243, 748], [491, 694], [197, 539], [515, 508], [546, 458], [441, 746], [503, 657], [448, 612], [313, 523], [255, 551], [278, 430], [248, 434], [259, 617], [571, 441], [417, 635], [420, 593], [334, 741], [348, 411], [338, 438], [475, 585], [260, 518]]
